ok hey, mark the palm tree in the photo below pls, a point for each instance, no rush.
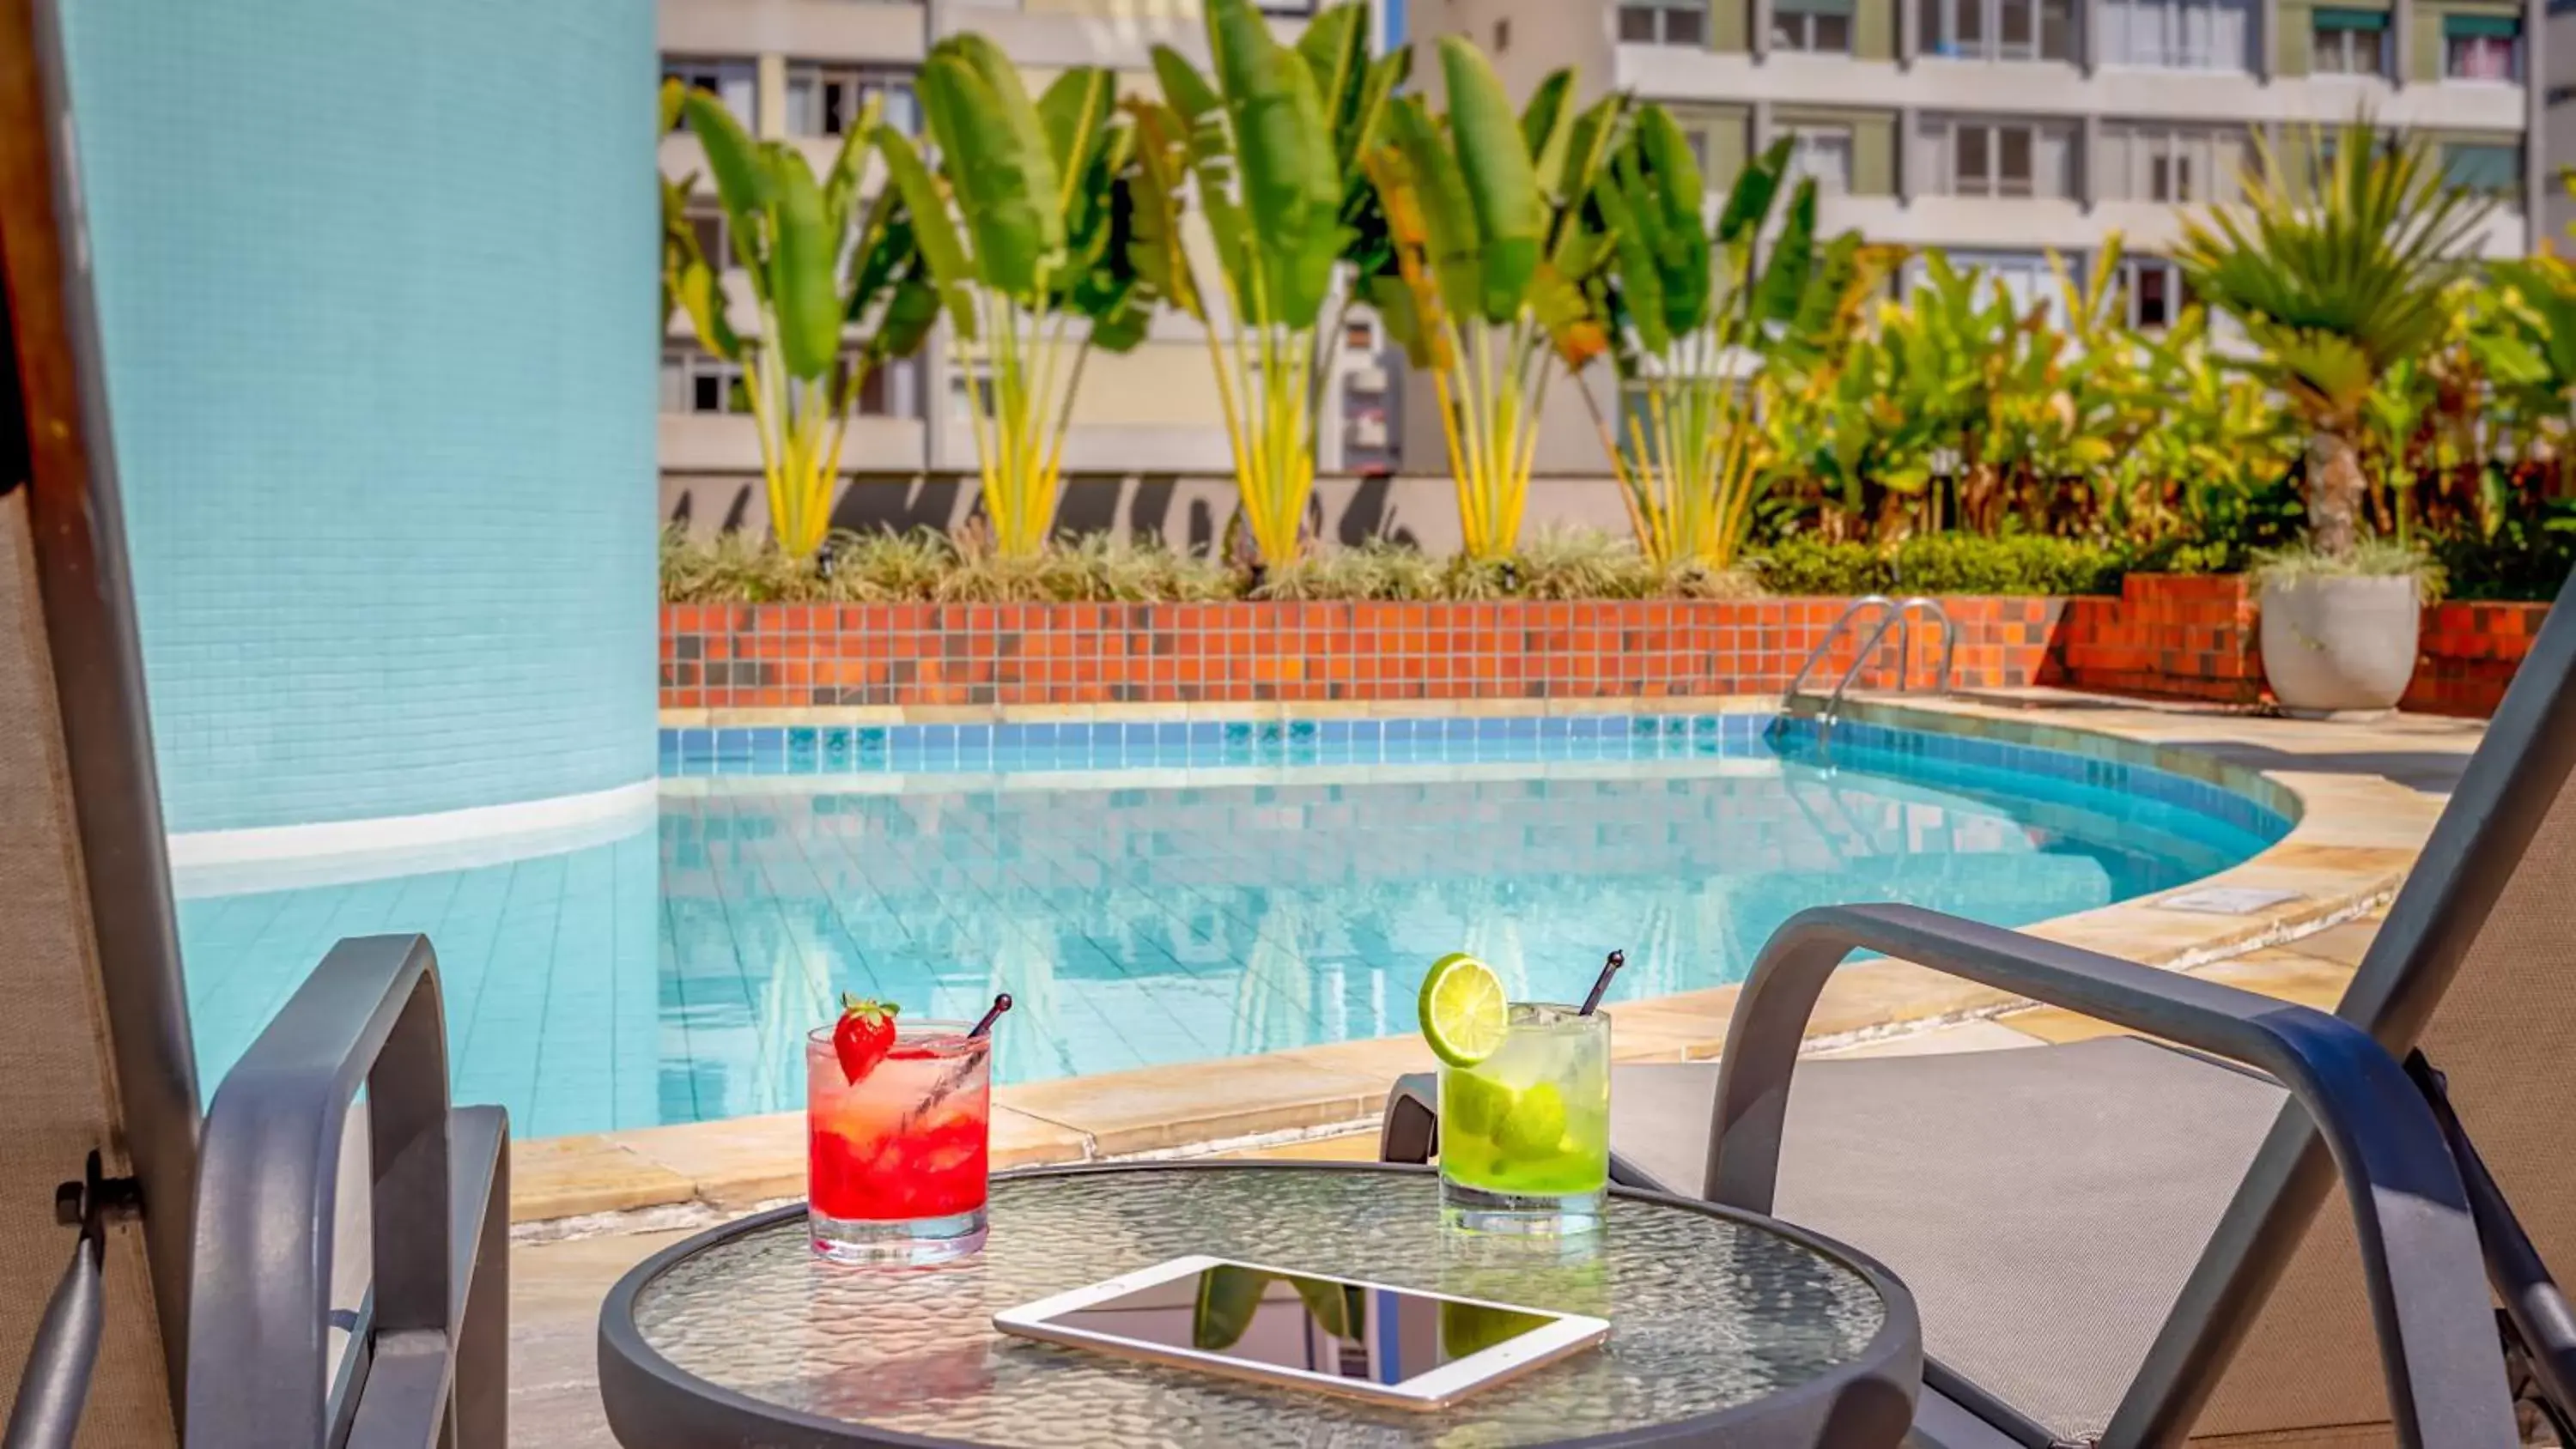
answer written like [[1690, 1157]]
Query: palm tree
[[2337, 270]]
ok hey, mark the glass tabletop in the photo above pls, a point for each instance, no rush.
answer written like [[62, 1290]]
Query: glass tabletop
[[1708, 1314]]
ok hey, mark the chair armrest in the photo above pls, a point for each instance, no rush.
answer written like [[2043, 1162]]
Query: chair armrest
[[2419, 1245], [267, 1200], [1410, 1129]]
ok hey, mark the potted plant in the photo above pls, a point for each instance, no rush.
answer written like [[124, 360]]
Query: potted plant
[[2336, 266]]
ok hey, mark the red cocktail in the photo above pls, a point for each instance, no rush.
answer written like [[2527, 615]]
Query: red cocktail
[[898, 1156]]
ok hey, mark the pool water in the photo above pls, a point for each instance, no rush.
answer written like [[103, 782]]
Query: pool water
[[1161, 898]]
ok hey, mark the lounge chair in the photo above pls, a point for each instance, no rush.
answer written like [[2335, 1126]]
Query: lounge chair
[[281, 1271], [2118, 1241]]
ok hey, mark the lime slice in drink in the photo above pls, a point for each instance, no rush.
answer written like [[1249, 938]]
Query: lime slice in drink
[[1464, 1016], [1472, 1105], [1535, 1124]]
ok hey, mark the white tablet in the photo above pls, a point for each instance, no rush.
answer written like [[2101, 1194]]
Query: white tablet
[[1395, 1346]]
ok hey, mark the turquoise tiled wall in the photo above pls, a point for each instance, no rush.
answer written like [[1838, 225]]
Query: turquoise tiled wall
[[377, 281]]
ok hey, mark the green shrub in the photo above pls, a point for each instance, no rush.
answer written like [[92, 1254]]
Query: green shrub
[[1943, 563]]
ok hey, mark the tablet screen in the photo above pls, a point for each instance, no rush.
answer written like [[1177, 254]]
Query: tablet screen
[[1329, 1326]]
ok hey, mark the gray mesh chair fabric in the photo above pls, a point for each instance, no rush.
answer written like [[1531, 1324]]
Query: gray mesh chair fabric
[[2058, 1210], [61, 1091]]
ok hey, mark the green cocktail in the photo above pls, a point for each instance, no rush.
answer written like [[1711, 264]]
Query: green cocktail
[[1525, 1132]]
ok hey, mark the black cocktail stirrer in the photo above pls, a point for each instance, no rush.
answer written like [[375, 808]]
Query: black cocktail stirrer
[[1001, 1003], [958, 1074], [1601, 983]]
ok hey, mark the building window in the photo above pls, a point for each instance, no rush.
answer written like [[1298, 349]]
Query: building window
[[715, 243], [1663, 22], [2147, 161], [892, 389], [1999, 29], [1361, 336], [826, 100], [2153, 292], [1820, 26], [2349, 42], [1973, 157], [2481, 48], [735, 82], [2178, 34], [695, 380], [2492, 168], [1824, 154]]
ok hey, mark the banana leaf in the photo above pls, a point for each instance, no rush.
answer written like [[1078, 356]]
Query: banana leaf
[[943, 249], [1285, 158], [996, 156], [1439, 215], [1499, 181], [805, 302]]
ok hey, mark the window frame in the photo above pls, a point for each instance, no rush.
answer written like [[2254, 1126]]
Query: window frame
[[1659, 17], [1796, 30], [1942, 35], [1994, 184], [863, 81], [2452, 51], [1831, 137], [2339, 39], [2176, 52], [2133, 268], [697, 71]]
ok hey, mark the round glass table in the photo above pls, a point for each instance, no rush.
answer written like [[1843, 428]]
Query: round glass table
[[1726, 1328]]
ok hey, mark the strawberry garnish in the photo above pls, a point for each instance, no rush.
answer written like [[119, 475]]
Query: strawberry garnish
[[863, 1036]]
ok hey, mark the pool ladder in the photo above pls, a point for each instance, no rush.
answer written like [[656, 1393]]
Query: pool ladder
[[1891, 614]]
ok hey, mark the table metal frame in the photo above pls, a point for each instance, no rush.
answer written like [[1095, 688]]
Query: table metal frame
[[654, 1404]]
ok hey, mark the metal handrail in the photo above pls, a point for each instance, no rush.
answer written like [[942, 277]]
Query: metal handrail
[[1892, 614]]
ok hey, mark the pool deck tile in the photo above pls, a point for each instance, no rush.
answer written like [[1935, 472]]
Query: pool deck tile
[[1158, 1108], [2368, 795]]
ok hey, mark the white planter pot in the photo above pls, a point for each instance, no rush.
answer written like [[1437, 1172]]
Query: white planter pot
[[2340, 647]]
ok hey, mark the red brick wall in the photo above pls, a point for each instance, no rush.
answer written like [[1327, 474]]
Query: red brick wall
[[2470, 652], [784, 656], [2167, 634]]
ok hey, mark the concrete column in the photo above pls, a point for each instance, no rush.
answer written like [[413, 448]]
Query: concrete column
[[1758, 136], [1759, 41], [2088, 35], [2401, 42], [1907, 118], [2267, 40], [771, 96], [1909, 33], [2088, 144]]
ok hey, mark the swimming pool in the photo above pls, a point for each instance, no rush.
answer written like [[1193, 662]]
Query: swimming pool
[[1162, 893]]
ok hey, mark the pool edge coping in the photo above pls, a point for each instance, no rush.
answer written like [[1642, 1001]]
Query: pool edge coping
[[2352, 838]]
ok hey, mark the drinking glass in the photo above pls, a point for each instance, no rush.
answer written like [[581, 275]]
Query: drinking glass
[[899, 1161], [1525, 1133]]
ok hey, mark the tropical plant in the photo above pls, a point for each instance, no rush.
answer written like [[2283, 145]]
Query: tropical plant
[[1261, 149], [808, 282], [1026, 229], [1703, 314], [2338, 273], [1488, 257]]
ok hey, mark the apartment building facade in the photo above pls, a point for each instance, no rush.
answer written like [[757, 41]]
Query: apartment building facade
[[803, 71], [2002, 130]]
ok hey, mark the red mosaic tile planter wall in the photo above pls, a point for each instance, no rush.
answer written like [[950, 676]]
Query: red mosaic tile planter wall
[[2470, 652], [2167, 634], [792, 656]]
